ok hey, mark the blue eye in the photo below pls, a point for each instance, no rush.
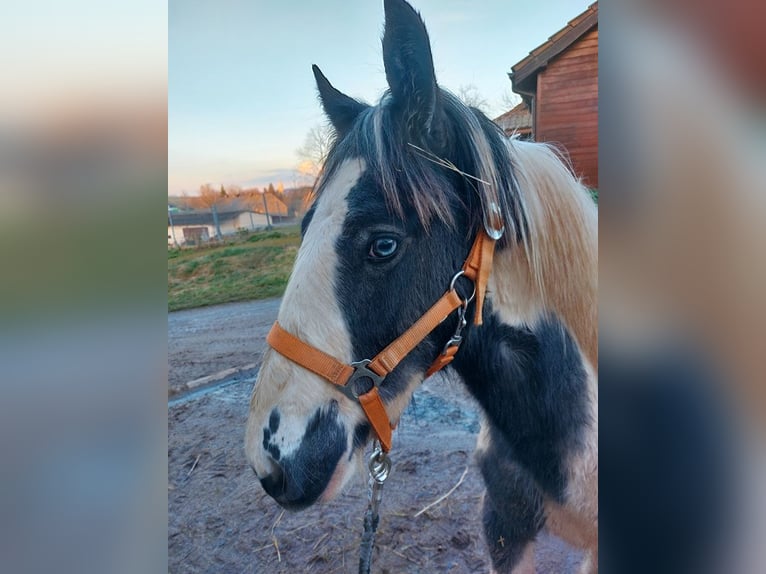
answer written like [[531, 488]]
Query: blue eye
[[383, 247]]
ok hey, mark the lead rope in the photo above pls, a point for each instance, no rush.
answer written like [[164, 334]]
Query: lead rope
[[379, 468]]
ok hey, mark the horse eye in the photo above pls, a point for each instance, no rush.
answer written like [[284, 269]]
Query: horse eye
[[383, 247]]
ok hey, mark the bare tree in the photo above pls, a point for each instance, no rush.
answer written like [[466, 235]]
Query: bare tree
[[210, 198], [470, 96], [233, 190], [509, 99], [314, 150]]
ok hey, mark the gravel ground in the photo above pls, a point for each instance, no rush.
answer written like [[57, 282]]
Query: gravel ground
[[204, 341]]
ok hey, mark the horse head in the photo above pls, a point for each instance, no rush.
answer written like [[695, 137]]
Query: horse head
[[396, 210]]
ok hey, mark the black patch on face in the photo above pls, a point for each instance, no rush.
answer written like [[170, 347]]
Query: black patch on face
[[302, 477], [274, 421], [270, 446], [532, 385], [274, 451], [382, 299]]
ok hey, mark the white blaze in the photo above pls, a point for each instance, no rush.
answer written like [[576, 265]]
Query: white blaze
[[309, 311]]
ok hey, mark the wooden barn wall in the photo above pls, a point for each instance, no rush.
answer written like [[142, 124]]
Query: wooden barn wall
[[567, 105]]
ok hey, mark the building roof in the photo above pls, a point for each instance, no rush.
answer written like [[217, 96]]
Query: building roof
[[204, 217], [524, 74], [519, 118], [275, 204]]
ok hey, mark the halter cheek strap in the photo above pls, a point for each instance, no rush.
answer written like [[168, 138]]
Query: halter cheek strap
[[477, 268]]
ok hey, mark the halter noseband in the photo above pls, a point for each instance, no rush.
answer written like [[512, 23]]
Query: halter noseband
[[476, 268]]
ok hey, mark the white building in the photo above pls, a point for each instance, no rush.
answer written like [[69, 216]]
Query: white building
[[199, 226]]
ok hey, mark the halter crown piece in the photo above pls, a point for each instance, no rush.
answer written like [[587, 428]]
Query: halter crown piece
[[360, 380]]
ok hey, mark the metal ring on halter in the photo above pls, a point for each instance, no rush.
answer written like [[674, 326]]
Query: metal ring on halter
[[452, 287]]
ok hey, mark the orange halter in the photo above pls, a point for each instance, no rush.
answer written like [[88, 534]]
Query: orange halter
[[477, 268]]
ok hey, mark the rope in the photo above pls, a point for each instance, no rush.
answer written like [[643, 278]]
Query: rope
[[379, 467], [371, 520]]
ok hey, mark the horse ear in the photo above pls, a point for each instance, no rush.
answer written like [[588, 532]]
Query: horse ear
[[340, 108], [409, 65]]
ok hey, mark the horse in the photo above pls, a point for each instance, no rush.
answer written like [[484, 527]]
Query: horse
[[409, 189]]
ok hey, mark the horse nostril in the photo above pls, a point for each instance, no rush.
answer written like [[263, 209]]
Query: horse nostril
[[275, 484]]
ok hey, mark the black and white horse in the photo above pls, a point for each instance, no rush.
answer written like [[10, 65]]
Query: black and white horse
[[400, 200]]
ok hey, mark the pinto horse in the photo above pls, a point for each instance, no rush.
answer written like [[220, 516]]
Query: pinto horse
[[407, 188]]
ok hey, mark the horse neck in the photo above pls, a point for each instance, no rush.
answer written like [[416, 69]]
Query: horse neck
[[555, 271]]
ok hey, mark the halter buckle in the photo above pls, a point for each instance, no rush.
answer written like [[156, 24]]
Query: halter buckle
[[353, 390]]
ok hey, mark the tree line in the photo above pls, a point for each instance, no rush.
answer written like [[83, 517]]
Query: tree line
[[232, 197]]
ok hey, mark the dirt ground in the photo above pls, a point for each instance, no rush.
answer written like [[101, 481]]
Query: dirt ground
[[220, 520], [208, 340]]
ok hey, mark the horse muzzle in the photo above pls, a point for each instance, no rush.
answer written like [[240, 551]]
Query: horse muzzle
[[296, 476]]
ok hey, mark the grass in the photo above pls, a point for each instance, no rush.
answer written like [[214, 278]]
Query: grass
[[252, 266]]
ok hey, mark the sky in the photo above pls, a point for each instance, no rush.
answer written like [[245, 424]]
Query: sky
[[241, 95]]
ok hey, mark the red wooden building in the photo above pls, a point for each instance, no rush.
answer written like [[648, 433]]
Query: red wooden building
[[559, 83]]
